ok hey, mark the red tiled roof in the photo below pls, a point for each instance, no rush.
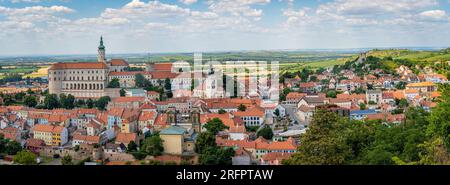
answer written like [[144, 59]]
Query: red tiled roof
[[93, 124], [295, 95], [57, 118], [162, 67], [87, 111], [126, 137], [148, 106], [307, 85], [79, 65], [35, 142], [118, 62], [147, 115], [161, 119], [90, 139], [128, 99], [253, 111], [163, 75], [48, 128], [388, 95]]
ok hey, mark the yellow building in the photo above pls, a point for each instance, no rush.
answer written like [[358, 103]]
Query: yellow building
[[422, 86], [177, 140], [51, 135]]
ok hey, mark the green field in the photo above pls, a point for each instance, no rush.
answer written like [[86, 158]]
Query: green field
[[414, 56]]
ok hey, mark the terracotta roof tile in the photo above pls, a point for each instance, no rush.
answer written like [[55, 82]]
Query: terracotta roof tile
[[118, 62], [79, 65], [126, 137]]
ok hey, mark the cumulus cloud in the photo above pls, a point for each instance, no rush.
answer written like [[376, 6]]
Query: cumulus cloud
[[140, 20], [434, 14], [238, 7], [188, 2]]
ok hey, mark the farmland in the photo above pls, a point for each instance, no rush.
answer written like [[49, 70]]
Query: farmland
[[290, 61]]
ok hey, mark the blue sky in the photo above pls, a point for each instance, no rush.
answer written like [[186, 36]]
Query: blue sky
[[39, 27]]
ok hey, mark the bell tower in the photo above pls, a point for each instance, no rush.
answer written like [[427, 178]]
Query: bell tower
[[101, 51], [195, 119], [172, 116]]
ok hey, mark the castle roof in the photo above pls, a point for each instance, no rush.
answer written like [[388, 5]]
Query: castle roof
[[78, 65]]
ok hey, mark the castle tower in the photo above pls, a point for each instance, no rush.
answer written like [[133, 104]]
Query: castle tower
[[101, 51], [172, 115], [195, 119]]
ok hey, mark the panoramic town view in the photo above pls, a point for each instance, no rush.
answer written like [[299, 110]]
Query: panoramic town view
[[224, 82]]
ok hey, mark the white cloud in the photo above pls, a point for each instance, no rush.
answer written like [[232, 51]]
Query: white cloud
[[374, 7], [141, 10], [434, 14], [35, 10], [188, 2], [238, 7], [233, 23], [25, 1]]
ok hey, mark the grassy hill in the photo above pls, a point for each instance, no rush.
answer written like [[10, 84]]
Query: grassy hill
[[414, 56]]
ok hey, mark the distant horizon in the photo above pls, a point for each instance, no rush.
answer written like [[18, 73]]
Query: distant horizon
[[416, 48]]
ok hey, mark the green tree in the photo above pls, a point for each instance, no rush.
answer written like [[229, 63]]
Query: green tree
[[66, 160], [434, 152], [132, 146], [266, 132], [67, 102], [153, 145], [51, 101], [30, 101], [403, 103], [439, 119], [30, 92], [215, 125], [362, 106], [216, 156], [204, 141], [221, 111], [141, 81], [322, 144], [401, 85], [19, 96], [90, 103], [277, 112], [122, 92], [13, 147], [168, 88], [102, 102], [359, 90], [114, 83], [3, 143], [284, 93], [331, 94], [81, 103], [242, 107], [25, 157]]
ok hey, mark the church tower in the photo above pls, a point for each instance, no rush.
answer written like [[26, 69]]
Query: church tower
[[195, 119], [172, 116], [101, 51]]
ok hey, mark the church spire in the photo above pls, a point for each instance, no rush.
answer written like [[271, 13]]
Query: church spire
[[101, 46], [101, 51]]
